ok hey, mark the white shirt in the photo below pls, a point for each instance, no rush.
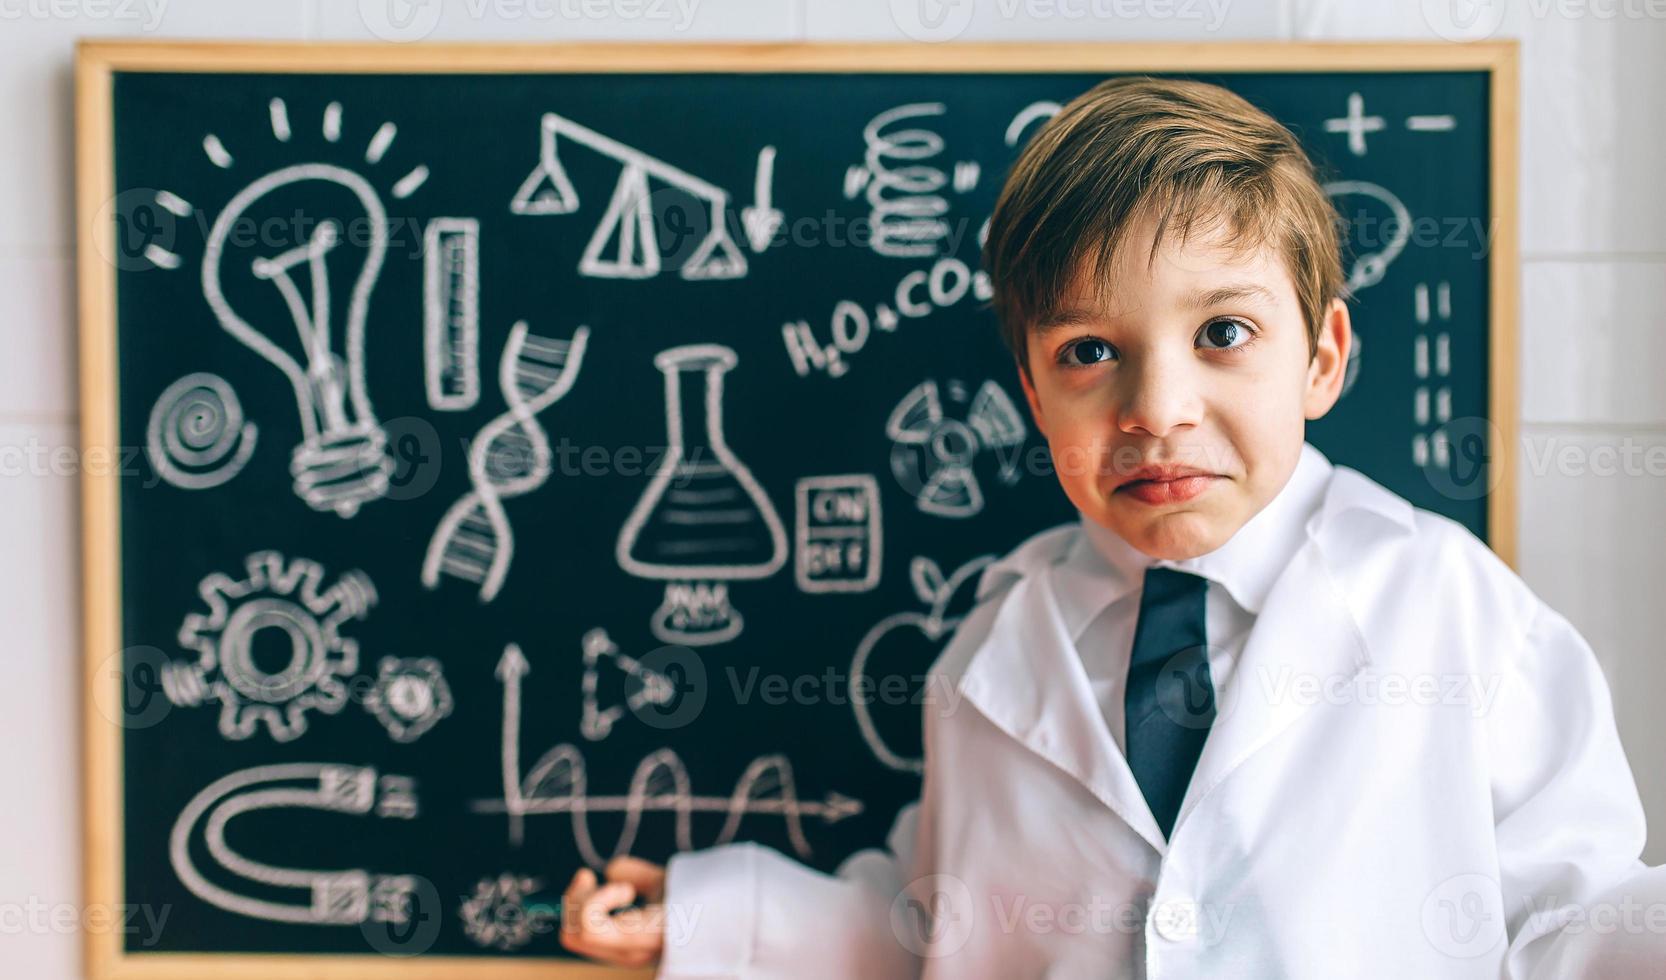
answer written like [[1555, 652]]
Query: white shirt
[[1099, 583]]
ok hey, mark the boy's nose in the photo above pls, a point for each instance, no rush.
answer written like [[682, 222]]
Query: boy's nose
[[1160, 396]]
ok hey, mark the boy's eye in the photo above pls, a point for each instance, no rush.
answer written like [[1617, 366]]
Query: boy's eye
[[1224, 334], [1088, 350]]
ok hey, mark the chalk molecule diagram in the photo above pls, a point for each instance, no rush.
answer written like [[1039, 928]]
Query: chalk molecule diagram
[[558, 784], [247, 887], [278, 599]]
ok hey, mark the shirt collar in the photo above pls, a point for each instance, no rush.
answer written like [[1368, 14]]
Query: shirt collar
[[1101, 568]]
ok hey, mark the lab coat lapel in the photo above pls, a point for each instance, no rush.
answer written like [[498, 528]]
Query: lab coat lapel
[[1304, 634], [1028, 679]]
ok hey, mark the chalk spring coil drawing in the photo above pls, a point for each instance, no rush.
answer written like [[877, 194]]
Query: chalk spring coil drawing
[[341, 897], [196, 438], [474, 540], [287, 598], [557, 783]]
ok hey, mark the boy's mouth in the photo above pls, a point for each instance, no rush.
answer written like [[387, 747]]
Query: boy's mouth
[[1166, 484]]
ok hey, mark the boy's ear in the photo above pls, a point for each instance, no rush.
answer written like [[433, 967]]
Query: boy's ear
[[1329, 364], [1030, 396]]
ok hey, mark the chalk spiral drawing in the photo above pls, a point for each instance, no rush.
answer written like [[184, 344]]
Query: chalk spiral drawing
[[410, 696], [704, 520], [342, 460], [557, 783], [652, 686], [451, 313], [907, 209], [289, 599], [932, 452], [509, 457], [343, 897], [629, 222], [838, 534], [197, 438], [935, 625], [946, 283]]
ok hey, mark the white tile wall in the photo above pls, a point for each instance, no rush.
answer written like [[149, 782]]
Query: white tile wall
[[1594, 294]]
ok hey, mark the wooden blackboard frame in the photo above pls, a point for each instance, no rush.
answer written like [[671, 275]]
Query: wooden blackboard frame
[[96, 63]]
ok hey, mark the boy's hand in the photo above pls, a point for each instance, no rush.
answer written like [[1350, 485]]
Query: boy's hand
[[635, 936]]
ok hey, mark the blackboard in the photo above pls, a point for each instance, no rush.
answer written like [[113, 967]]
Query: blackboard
[[540, 455]]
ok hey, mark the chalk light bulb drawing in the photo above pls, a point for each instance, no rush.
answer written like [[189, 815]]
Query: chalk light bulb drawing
[[278, 302], [342, 460]]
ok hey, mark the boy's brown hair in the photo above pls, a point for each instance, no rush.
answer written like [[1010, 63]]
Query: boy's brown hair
[[1194, 155]]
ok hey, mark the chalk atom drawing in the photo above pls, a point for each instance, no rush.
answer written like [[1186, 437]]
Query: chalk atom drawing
[[932, 452], [508, 458], [196, 438], [282, 601], [704, 520], [244, 886], [628, 225]]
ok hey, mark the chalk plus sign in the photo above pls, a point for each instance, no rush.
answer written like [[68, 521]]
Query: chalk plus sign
[[1356, 124]]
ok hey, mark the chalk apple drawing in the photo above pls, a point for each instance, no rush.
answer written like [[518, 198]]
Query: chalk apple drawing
[[895, 630]]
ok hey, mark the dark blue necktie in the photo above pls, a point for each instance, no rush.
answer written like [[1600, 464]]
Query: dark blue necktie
[[1170, 698]]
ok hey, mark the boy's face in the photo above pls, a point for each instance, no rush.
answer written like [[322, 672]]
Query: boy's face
[[1199, 361]]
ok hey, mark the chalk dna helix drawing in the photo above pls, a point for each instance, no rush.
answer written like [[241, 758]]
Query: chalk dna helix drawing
[[196, 438], [629, 223], [244, 886], [285, 602], [704, 521], [558, 783], [282, 304], [508, 458]]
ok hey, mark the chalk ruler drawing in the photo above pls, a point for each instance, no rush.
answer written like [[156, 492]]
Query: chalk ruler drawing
[[908, 211], [652, 686], [284, 600], [342, 461], [344, 897], [196, 438], [474, 540], [629, 222], [917, 294], [557, 783], [838, 534], [932, 452], [451, 313], [1430, 447], [935, 625], [704, 520], [410, 696]]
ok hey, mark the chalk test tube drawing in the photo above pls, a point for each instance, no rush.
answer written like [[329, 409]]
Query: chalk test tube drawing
[[908, 212], [557, 783], [342, 460], [196, 438], [410, 696], [651, 686], [509, 457], [704, 521], [932, 453], [344, 897], [837, 533], [1391, 217], [286, 604], [495, 916], [896, 631], [451, 313], [629, 222]]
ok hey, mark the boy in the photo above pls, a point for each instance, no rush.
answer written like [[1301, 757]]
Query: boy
[[1254, 716]]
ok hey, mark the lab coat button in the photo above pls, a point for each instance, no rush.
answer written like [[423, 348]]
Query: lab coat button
[[1175, 919]]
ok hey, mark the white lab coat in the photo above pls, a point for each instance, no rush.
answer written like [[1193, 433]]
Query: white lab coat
[[1414, 773]]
